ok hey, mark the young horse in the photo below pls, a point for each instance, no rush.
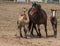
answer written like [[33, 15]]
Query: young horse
[[54, 21], [23, 22], [38, 16]]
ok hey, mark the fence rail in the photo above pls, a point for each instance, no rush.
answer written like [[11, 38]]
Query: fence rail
[[27, 1]]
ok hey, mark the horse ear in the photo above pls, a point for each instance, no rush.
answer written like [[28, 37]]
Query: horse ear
[[33, 2], [53, 9]]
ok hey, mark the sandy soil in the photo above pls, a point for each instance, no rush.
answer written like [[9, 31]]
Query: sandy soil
[[8, 26]]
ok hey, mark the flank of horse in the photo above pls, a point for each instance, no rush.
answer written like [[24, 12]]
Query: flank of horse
[[22, 22], [37, 16], [53, 20]]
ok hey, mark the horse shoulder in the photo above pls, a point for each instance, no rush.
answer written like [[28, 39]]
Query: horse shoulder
[[26, 20]]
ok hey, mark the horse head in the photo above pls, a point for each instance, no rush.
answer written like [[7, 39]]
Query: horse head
[[35, 8], [35, 5], [53, 12]]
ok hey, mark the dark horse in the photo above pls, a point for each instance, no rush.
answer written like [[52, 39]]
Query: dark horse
[[37, 17], [53, 20]]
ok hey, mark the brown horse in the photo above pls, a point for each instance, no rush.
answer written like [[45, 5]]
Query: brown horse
[[37, 17], [53, 20]]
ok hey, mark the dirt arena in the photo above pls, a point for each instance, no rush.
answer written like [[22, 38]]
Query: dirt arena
[[8, 26]]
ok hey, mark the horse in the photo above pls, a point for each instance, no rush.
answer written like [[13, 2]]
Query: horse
[[22, 22], [53, 20], [37, 16]]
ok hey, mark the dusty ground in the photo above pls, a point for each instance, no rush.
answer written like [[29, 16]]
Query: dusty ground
[[8, 26]]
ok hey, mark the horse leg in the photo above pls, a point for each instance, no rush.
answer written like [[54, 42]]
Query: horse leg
[[33, 28], [37, 27], [20, 27], [21, 32], [25, 30], [55, 30], [46, 30], [36, 31], [32, 31], [39, 32], [30, 24], [18, 32]]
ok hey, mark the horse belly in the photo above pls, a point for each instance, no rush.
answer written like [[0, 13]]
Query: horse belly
[[42, 21]]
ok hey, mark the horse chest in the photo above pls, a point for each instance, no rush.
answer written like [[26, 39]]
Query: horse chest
[[54, 20]]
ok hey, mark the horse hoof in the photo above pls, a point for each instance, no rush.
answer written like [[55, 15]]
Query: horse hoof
[[21, 36], [39, 35], [46, 36], [55, 36], [32, 34], [17, 36], [25, 37]]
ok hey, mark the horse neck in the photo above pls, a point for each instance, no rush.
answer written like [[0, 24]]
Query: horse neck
[[39, 12], [25, 16], [26, 19]]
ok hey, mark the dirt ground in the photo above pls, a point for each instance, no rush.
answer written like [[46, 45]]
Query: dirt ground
[[8, 26]]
